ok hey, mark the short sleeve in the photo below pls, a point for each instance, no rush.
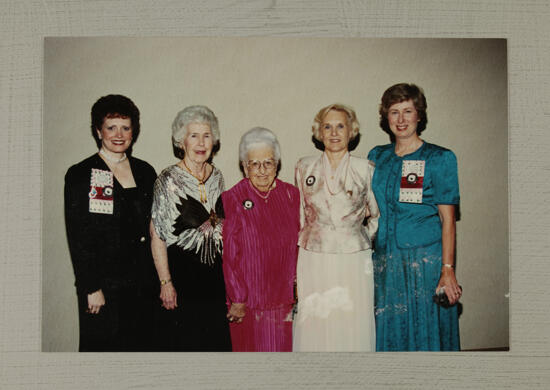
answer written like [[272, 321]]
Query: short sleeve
[[163, 212], [446, 179], [221, 184], [373, 155]]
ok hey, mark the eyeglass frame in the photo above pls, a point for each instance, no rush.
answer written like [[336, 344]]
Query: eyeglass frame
[[262, 164]]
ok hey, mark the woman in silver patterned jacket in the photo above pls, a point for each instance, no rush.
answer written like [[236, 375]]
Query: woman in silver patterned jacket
[[186, 238]]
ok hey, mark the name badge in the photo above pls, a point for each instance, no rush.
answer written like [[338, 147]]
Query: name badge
[[412, 178], [101, 192]]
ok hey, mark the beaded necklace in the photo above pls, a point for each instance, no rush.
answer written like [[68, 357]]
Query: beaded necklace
[[113, 160]]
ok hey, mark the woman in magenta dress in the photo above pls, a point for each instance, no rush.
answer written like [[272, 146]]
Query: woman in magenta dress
[[260, 235]]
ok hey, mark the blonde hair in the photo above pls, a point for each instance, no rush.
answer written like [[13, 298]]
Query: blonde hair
[[353, 123]]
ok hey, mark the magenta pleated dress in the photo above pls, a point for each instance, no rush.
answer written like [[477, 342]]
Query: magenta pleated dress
[[259, 262]]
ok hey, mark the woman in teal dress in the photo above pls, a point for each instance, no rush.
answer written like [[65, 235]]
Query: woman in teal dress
[[416, 186]]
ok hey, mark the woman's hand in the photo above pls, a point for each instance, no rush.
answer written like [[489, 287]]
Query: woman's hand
[[448, 245], [95, 301], [168, 296], [448, 280], [237, 311], [168, 293]]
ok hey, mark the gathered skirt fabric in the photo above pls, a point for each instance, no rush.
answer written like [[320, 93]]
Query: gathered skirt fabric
[[407, 319], [335, 302], [263, 331]]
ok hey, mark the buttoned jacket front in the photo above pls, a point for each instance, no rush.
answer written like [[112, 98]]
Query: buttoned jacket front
[[95, 239], [413, 225]]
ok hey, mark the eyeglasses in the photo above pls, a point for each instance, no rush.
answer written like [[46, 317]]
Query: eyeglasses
[[267, 164]]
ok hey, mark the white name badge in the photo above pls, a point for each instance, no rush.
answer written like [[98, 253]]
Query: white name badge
[[412, 179], [101, 192]]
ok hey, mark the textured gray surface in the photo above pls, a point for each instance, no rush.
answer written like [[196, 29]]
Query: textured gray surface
[[23, 24]]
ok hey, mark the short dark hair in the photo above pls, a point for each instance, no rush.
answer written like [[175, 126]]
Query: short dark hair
[[400, 93], [114, 106]]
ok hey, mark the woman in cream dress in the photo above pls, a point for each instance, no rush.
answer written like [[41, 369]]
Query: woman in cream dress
[[334, 273]]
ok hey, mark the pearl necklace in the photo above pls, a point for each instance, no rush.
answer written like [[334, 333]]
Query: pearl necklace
[[264, 197], [113, 160], [329, 181]]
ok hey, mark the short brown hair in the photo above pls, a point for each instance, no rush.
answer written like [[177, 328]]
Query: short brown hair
[[400, 93]]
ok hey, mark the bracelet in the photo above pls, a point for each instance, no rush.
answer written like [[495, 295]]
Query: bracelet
[[165, 281], [448, 265]]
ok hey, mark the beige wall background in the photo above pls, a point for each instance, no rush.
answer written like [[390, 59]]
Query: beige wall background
[[280, 83]]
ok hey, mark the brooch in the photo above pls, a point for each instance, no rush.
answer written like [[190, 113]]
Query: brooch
[[214, 220], [93, 193], [412, 178], [101, 192], [248, 204], [310, 180]]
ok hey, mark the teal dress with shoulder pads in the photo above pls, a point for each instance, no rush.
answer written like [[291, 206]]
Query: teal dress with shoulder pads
[[407, 255]]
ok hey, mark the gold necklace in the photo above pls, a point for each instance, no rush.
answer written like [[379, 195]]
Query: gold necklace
[[264, 197], [201, 186]]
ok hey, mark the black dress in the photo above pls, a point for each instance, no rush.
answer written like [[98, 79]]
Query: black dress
[[107, 232], [191, 228]]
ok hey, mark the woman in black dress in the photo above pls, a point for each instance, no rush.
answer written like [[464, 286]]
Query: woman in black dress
[[107, 213], [186, 238]]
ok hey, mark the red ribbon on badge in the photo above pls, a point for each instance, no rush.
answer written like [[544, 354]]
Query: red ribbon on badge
[[412, 181], [102, 193]]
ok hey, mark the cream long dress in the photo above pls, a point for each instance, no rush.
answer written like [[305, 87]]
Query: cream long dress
[[334, 272]]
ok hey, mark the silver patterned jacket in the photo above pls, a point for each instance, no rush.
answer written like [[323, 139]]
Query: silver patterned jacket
[[335, 203]]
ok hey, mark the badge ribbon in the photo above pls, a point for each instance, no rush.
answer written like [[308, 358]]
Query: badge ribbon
[[101, 192], [412, 179]]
